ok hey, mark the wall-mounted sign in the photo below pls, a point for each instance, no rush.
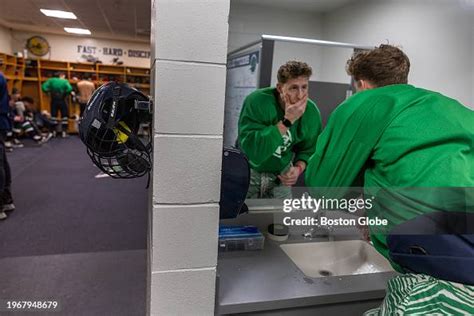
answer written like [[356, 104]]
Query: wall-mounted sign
[[242, 79], [113, 51], [84, 49]]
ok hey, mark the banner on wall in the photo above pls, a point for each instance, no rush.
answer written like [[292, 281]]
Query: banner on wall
[[86, 49], [112, 51], [242, 79]]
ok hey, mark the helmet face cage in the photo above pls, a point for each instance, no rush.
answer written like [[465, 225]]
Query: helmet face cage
[[109, 128], [126, 165]]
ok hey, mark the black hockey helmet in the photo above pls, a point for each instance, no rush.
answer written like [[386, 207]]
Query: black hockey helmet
[[109, 128]]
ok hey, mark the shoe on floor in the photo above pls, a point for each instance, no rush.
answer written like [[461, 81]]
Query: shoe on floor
[[38, 139], [44, 139], [64, 134], [8, 207], [6, 201], [3, 216], [8, 147], [17, 144], [47, 137]]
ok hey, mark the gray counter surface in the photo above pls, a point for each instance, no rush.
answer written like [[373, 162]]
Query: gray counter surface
[[250, 281]]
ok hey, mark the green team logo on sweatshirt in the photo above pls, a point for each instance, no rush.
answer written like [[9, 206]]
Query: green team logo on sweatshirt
[[287, 141]]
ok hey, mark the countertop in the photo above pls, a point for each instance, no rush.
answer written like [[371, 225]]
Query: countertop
[[268, 279]]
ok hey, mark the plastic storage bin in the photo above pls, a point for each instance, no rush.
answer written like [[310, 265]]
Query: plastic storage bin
[[232, 238]]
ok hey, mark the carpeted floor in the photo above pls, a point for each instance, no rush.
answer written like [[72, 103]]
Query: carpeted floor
[[62, 208], [75, 238]]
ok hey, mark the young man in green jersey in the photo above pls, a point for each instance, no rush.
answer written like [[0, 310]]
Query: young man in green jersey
[[416, 147], [58, 88], [278, 128]]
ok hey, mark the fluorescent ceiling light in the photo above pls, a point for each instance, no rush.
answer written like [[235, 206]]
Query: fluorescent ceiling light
[[77, 30], [59, 14]]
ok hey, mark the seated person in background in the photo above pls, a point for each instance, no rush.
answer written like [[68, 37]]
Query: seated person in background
[[278, 129], [21, 122], [40, 121], [401, 138], [7, 133], [11, 140]]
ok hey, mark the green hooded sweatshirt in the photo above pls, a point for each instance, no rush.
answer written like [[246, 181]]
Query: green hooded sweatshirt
[[413, 144], [260, 138]]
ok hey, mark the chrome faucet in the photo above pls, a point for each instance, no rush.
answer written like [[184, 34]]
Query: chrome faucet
[[319, 230]]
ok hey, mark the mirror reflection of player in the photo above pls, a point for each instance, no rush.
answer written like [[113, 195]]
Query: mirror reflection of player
[[278, 129]]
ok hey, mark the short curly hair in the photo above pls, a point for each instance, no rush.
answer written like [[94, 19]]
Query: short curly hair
[[293, 69], [382, 66]]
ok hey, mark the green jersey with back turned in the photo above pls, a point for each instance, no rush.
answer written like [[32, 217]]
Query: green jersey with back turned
[[58, 87], [261, 140], [397, 137]]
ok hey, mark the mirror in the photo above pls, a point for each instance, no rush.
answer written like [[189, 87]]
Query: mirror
[[253, 70], [362, 22]]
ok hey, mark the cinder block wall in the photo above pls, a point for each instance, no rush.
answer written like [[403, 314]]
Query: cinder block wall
[[189, 48]]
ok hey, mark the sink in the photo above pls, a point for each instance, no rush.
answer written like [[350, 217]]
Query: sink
[[336, 258]]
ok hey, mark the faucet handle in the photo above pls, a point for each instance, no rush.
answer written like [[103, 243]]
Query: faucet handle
[[309, 233]]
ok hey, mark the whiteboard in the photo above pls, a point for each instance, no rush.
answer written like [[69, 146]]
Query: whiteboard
[[242, 79]]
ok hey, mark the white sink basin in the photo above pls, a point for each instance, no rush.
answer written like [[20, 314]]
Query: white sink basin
[[336, 258]]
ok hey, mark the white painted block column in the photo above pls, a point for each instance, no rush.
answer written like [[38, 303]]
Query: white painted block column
[[189, 48]]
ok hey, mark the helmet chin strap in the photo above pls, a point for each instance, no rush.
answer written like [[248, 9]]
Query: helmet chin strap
[[135, 141], [146, 106], [115, 102], [139, 105]]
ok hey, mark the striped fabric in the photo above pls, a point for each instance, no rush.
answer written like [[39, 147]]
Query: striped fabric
[[264, 185], [419, 294]]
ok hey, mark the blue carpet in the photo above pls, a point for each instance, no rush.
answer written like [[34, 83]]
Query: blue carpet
[[62, 208]]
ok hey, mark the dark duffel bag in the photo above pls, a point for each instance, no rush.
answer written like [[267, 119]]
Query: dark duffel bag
[[235, 182], [439, 244]]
